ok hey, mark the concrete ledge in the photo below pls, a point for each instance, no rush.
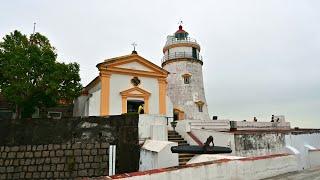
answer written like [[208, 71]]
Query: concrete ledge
[[250, 125], [311, 150], [246, 168], [314, 158]]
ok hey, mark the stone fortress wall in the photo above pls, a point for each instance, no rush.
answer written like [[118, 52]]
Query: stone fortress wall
[[67, 148], [54, 161]]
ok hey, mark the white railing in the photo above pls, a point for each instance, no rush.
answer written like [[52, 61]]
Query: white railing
[[181, 40], [178, 55]]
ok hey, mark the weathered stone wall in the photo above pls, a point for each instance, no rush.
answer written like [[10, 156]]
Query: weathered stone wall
[[185, 96], [54, 161], [67, 148], [257, 144]]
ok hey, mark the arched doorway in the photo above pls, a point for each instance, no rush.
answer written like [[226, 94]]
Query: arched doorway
[[133, 98], [133, 105], [178, 114]]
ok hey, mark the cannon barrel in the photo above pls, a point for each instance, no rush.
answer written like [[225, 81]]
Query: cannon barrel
[[200, 150]]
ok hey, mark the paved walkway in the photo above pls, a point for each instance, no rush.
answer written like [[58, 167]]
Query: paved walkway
[[310, 174]]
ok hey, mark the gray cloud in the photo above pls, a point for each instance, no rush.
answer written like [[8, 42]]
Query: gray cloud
[[261, 57]]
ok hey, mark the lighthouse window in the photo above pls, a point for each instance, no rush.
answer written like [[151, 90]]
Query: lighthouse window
[[186, 78], [200, 105]]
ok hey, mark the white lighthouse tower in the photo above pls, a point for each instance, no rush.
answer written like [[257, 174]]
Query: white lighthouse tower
[[185, 83]]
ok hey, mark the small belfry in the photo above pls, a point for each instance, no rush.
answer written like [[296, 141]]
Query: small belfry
[[185, 82]]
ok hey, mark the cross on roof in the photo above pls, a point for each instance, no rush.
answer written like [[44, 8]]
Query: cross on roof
[[134, 46]]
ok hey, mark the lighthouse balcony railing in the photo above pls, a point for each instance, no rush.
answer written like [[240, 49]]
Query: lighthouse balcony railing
[[178, 55], [181, 40]]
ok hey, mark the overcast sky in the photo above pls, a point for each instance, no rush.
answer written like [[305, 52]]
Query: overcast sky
[[261, 57]]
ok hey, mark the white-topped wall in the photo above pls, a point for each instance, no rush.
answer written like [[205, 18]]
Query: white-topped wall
[[94, 104], [157, 154], [302, 143]]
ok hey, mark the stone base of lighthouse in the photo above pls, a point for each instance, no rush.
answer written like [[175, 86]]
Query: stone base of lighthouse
[[186, 97]]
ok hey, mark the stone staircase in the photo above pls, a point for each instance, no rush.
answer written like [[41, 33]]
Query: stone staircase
[[175, 137]]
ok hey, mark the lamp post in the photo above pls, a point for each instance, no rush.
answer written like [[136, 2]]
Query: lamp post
[[174, 124]]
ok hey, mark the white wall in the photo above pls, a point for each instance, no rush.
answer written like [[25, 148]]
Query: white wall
[[169, 107], [120, 83], [314, 158], [149, 124], [157, 154], [211, 157], [179, 49], [134, 65], [166, 158], [302, 143], [94, 103], [79, 106], [257, 168]]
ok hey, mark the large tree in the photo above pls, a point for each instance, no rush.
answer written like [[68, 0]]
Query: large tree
[[30, 75]]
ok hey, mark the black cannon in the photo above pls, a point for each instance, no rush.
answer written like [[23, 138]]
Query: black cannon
[[200, 150], [205, 149]]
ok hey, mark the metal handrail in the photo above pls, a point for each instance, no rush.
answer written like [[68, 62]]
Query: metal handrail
[[183, 40], [178, 55]]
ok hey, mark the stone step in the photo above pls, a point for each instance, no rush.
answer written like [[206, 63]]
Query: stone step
[[179, 141], [170, 137], [176, 138], [183, 144], [184, 158], [172, 132], [186, 155], [183, 161]]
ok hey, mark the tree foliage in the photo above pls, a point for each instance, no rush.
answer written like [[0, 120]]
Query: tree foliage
[[30, 75]]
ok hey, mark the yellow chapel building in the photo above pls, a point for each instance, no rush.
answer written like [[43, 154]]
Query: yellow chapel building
[[125, 83]]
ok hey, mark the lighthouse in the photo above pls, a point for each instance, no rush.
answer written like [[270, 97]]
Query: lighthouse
[[185, 88]]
